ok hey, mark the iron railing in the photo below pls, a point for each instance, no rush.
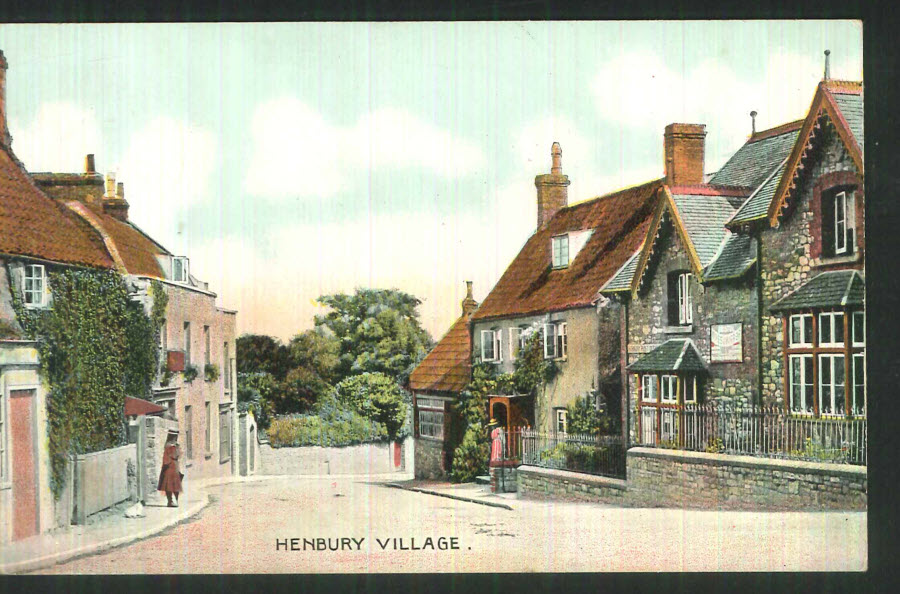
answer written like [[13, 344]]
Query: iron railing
[[757, 431], [593, 454]]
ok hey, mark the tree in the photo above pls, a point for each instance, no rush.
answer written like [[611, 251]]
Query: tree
[[375, 396], [260, 353], [584, 416], [378, 331]]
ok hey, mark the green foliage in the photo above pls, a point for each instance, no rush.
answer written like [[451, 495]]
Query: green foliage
[[96, 346], [378, 330], [471, 457], [531, 369], [210, 372], [256, 393], [339, 429], [586, 418], [715, 446], [374, 396], [190, 373], [259, 353], [577, 457], [7, 330]]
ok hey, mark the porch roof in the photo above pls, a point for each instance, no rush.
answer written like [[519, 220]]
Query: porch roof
[[677, 354], [835, 288]]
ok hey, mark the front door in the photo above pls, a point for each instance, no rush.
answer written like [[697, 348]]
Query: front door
[[24, 467]]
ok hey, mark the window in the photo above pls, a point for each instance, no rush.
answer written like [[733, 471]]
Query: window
[[163, 337], [831, 329], [187, 343], [801, 383], [648, 388], [831, 384], [34, 285], [838, 223], [224, 436], [206, 359], [180, 273], [515, 343], [189, 432], [858, 402], [491, 345], [208, 442], [431, 417], [859, 328], [669, 388], [560, 251], [680, 301], [690, 390], [556, 341], [3, 463], [226, 367], [801, 330], [562, 420]]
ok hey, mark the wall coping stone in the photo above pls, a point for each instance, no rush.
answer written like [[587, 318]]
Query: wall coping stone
[[580, 477], [796, 466]]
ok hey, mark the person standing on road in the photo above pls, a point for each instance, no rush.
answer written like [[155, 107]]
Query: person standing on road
[[170, 476]]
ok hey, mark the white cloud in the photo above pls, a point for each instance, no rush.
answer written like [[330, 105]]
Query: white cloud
[[166, 168], [296, 152], [58, 138]]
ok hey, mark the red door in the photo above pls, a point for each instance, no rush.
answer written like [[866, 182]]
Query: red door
[[398, 454], [24, 481]]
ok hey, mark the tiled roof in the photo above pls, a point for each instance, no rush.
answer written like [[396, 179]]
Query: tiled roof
[[677, 354], [757, 205], [835, 288], [137, 251], [704, 218], [851, 106], [529, 285], [621, 281], [755, 161], [137, 406], [737, 256], [34, 225], [448, 367]]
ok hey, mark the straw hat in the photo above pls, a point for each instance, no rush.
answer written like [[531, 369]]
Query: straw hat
[[493, 423]]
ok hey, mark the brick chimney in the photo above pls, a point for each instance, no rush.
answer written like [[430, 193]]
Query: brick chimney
[[552, 188], [114, 203], [684, 148], [5, 138], [469, 305]]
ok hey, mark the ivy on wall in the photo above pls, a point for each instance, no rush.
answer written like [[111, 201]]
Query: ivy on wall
[[96, 346]]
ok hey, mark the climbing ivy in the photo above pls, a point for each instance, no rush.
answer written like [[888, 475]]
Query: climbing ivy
[[96, 346]]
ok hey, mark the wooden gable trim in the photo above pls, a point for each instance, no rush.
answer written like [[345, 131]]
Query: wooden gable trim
[[649, 243], [684, 235], [823, 101]]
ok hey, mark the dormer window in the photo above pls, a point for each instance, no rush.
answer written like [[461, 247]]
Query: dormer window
[[180, 269], [560, 251], [34, 285]]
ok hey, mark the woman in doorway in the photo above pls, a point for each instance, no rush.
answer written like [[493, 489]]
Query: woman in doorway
[[170, 476]]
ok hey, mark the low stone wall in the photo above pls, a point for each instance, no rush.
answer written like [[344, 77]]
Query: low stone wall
[[370, 458], [429, 457], [546, 483], [676, 478], [103, 479], [503, 476]]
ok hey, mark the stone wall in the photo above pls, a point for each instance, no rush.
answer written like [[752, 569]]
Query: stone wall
[[787, 261], [429, 459], [679, 479], [503, 476], [369, 458]]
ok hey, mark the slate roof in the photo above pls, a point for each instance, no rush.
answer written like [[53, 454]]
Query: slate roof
[[757, 205], [529, 286], [448, 367], [621, 280], [704, 218], [757, 159], [736, 257], [34, 225], [677, 354], [851, 106], [835, 288]]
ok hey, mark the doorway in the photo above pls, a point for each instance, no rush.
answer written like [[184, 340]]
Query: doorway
[[24, 467]]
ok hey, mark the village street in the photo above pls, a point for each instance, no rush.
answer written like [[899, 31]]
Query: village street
[[248, 528]]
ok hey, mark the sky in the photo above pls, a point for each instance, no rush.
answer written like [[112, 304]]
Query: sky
[[293, 160]]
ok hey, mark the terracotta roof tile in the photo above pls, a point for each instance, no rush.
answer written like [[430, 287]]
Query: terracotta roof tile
[[33, 224], [448, 367], [529, 285], [138, 406]]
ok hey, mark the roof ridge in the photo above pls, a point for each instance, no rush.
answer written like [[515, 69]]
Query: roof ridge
[[846, 295], [108, 243], [710, 190], [612, 194], [776, 131], [681, 354], [758, 188]]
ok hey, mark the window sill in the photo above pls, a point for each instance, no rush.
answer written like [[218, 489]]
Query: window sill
[[836, 260], [228, 459], [686, 329]]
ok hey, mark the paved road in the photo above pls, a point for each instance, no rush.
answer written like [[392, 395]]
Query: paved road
[[239, 531]]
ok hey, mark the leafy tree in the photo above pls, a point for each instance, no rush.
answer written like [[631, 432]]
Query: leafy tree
[[585, 417], [258, 392], [378, 331], [260, 353], [375, 396]]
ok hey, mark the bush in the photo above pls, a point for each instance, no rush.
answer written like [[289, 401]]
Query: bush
[[374, 396], [190, 373], [471, 457], [577, 457], [210, 372], [342, 429], [586, 418]]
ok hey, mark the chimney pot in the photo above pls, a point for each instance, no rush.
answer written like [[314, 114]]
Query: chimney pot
[[753, 122], [110, 185], [5, 138], [556, 159], [827, 65], [469, 305], [684, 146], [120, 190], [552, 188], [89, 164]]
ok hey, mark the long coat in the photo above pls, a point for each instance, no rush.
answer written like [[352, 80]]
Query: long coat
[[498, 436], [170, 475]]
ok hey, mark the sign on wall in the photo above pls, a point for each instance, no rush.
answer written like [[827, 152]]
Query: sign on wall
[[725, 343]]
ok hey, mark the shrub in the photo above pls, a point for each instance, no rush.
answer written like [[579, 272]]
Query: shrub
[[342, 429], [471, 457], [374, 396], [190, 373], [584, 417], [210, 372]]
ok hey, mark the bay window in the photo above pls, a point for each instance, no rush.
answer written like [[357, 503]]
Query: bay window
[[831, 384], [669, 388], [801, 384], [831, 328], [648, 388]]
